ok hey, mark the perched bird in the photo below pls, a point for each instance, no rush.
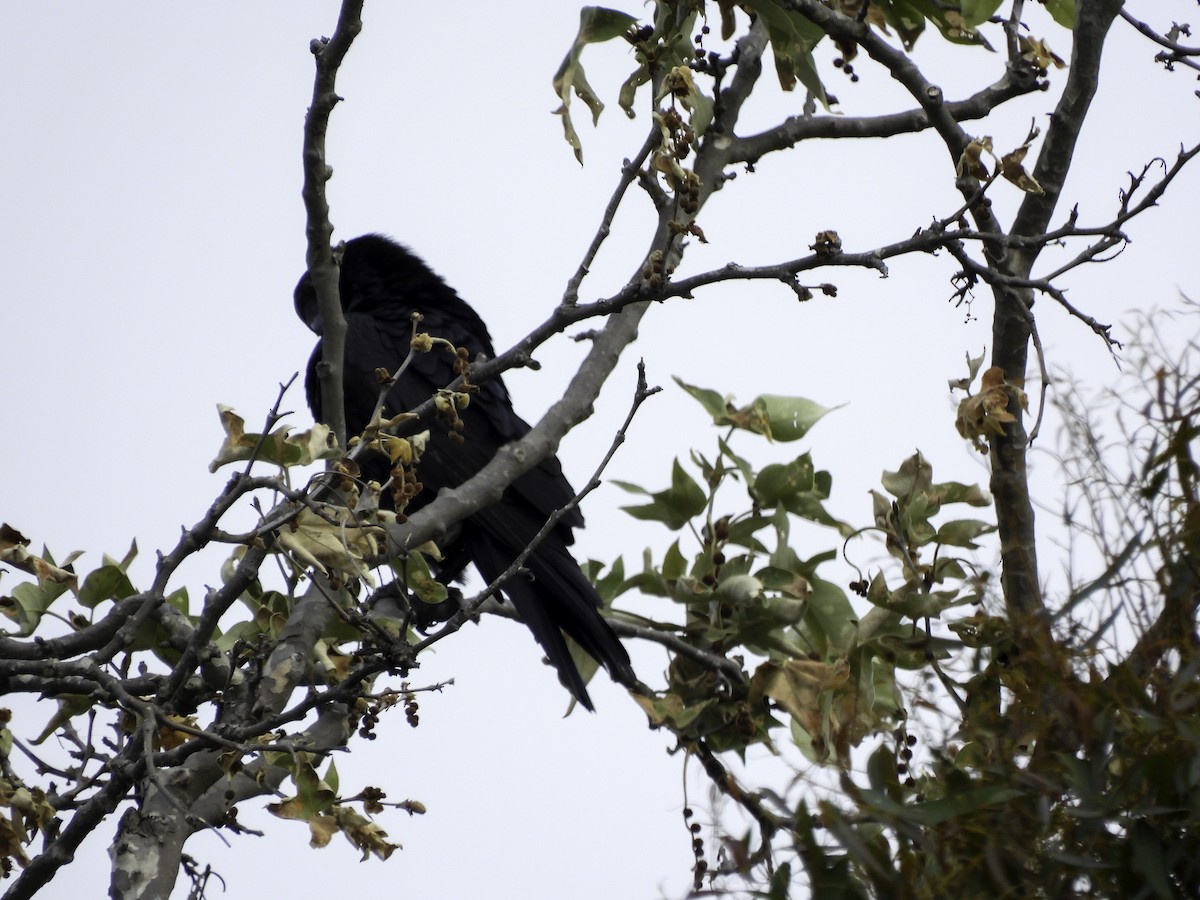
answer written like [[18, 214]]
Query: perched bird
[[381, 285]]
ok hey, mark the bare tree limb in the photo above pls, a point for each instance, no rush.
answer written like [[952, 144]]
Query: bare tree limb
[[328, 54]]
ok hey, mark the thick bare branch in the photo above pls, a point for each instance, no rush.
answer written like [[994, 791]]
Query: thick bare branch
[[1015, 83], [1058, 145]]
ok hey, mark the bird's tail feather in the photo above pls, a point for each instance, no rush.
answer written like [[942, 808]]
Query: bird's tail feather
[[556, 599]]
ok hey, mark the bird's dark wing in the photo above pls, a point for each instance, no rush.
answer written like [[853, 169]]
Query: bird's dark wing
[[381, 286]]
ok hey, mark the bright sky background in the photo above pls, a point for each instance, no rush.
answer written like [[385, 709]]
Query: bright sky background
[[154, 232]]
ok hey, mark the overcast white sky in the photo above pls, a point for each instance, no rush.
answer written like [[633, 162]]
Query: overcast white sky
[[154, 231]]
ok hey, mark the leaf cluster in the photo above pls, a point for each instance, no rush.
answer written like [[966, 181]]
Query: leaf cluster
[[1066, 772], [778, 641]]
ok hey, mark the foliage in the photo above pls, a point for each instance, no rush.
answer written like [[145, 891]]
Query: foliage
[[983, 738], [744, 588], [966, 785]]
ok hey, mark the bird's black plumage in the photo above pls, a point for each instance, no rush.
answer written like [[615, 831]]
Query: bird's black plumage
[[381, 285]]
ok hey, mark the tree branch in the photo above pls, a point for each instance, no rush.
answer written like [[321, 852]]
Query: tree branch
[[322, 268]]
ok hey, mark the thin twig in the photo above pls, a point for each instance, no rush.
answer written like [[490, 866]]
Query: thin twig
[[629, 171]]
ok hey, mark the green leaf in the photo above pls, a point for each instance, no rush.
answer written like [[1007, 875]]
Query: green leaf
[[788, 418], [109, 582], [596, 24], [793, 38], [420, 580], [649, 581], [780, 882], [29, 602], [240, 631], [674, 565], [1063, 12], [913, 649], [742, 530], [671, 710], [830, 623], [784, 581], [778, 418], [908, 21], [714, 404], [743, 465], [740, 588], [915, 475], [630, 488], [935, 812], [976, 12], [948, 19], [674, 506], [129, 556], [881, 772], [778, 483], [956, 492], [610, 585], [962, 532]]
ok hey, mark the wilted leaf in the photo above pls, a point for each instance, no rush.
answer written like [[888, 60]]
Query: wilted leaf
[[1038, 52], [10, 537], [973, 364], [363, 833], [971, 161], [680, 83], [670, 710], [13, 550], [596, 24], [815, 695], [321, 829], [987, 412], [26, 812], [281, 447], [1013, 169], [170, 738], [337, 542], [69, 706]]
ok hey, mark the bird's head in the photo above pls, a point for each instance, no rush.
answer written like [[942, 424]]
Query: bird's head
[[379, 278]]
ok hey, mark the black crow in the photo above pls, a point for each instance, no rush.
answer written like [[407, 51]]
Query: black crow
[[381, 285]]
